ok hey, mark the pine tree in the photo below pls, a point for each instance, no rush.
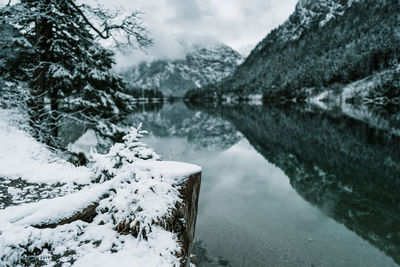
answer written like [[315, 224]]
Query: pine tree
[[69, 72]]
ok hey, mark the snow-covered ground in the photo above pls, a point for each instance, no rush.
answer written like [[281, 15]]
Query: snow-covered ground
[[362, 90], [132, 191], [30, 171], [22, 157]]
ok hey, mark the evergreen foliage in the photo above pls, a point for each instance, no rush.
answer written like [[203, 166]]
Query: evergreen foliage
[[53, 46], [122, 154]]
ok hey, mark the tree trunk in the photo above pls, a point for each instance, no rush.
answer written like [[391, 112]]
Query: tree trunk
[[54, 112], [41, 87]]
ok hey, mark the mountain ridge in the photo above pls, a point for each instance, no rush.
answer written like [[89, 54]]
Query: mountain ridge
[[323, 44], [205, 61]]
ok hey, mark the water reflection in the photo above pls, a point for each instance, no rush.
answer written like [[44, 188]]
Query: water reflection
[[347, 168], [287, 186], [80, 132], [257, 188], [199, 128]]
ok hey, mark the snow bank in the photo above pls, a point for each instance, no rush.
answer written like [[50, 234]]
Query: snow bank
[[171, 169], [49, 211], [134, 199], [21, 156], [127, 230]]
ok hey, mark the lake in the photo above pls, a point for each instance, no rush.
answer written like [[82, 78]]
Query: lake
[[287, 185]]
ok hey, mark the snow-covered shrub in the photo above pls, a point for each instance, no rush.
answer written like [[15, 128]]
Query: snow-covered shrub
[[110, 130], [121, 155], [132, 215], [126, 228]]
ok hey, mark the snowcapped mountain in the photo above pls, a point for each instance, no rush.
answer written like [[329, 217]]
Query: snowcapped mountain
[[204, 61], [323, 44], [307, 13]]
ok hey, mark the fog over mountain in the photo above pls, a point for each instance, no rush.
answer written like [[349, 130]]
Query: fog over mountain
[[239, 24], [205, 61]]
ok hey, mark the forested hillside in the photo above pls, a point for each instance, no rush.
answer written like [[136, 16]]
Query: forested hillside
[[323, 44]]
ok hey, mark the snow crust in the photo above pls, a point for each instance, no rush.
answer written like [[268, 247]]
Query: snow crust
[[171, 169]]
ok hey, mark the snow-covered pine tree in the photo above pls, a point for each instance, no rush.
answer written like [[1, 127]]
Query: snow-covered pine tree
[[70, 72], [122, 155]]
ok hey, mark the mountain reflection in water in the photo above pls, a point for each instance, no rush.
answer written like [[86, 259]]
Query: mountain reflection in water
[[347, 168], [287, 186]]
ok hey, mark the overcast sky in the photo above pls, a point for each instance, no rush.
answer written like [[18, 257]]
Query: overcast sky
[[240, 24]]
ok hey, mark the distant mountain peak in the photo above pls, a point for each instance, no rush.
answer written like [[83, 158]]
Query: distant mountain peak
[[206, 61]]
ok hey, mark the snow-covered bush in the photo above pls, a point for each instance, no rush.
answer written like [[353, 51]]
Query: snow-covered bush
[[121, 155], [131, 215], [126, 228]]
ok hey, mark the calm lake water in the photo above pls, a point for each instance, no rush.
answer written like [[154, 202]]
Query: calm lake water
[[287, 186]]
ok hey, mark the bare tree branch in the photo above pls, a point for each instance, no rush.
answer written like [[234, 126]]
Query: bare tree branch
[[130, 25], [100, 33]]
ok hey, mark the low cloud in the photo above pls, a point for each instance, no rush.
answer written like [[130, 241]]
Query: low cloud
[[164, 47], [240, 24]]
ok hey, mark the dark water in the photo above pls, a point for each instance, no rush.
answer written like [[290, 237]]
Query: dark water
[[288, 186]]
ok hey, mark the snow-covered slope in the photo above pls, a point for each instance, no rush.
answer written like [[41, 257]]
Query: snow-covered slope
[[306, 13], [322, 44], [205, 61]]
